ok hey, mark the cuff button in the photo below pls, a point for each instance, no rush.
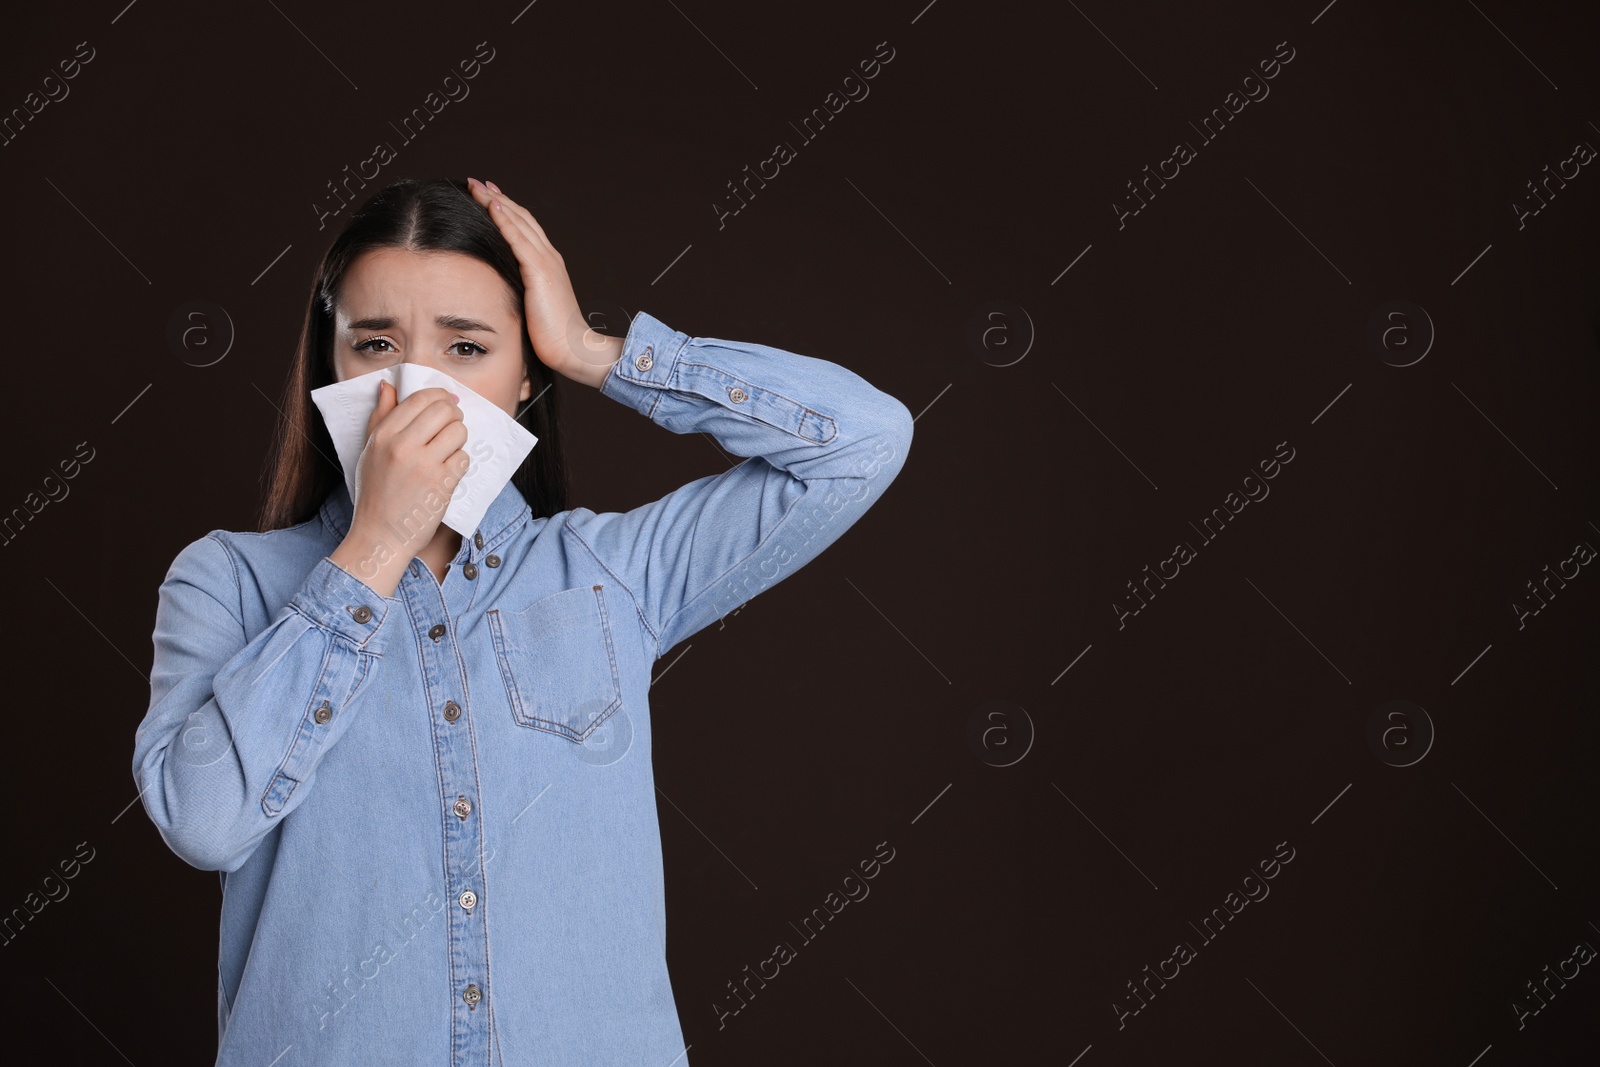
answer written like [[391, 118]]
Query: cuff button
[[645, 360], [737, 395]]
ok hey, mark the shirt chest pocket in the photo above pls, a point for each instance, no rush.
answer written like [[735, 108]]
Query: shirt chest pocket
[[559, 662]]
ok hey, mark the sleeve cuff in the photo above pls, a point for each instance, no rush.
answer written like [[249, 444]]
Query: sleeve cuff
[[337, 600], [649, 355]]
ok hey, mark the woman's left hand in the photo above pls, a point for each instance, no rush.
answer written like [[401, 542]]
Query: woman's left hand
[[561, 336]]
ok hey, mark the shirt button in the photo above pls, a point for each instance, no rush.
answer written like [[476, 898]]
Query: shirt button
[[452, 711], [469, 899], [492, 560], [645, 360], [477, 539], [470, 570], [436, 631], [360, 614], [737, 395], [472, 995], [324, 712], [462, 807]]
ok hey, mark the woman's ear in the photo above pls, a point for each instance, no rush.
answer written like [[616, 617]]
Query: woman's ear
[[527, 384]]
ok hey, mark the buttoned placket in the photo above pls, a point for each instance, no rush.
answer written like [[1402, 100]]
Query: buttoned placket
[[434, 610]]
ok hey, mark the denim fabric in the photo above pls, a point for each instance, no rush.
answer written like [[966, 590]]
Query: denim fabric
[[434, 813]]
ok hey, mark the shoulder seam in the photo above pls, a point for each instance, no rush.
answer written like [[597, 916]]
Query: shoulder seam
[[238, 584], [651, 630]]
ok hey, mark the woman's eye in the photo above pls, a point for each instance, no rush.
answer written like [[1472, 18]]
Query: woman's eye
[[472, 349]]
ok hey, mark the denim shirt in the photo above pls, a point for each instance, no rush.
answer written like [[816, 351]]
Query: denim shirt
[[434, 812]]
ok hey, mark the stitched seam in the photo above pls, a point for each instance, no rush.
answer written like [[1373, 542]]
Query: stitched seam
[[365, 660], [567, 732], [788, 517], [294, 784], [283, 765], [520, 710], [497, 638], [333, 633], [361, 645], [569, 528], [756, 418], [773, 392], [482, 873], [660, 389], [492, 543], [611, 655], [238, 583], [435, 738], [782, 522]]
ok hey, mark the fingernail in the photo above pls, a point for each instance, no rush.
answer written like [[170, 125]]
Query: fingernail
[[454, 397], [493, 186]]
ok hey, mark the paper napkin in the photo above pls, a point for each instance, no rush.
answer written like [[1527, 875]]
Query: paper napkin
[[496, 443]]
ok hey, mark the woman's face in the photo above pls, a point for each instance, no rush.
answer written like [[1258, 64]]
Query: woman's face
[[439, 309]]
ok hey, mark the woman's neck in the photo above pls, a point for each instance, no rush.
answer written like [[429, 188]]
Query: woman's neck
[[440, 551]]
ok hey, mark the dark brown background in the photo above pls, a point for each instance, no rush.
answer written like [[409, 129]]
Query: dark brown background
[[832, 711]]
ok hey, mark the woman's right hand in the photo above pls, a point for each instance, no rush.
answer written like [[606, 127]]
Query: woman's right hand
[[415, 447]]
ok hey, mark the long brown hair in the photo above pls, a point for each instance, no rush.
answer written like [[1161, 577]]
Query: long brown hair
[[423, 216]]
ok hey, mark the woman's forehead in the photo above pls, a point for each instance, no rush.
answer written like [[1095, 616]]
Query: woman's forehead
[[390, 283]]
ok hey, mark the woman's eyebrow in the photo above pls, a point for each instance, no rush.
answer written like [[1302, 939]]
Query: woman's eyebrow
[[448, 322]]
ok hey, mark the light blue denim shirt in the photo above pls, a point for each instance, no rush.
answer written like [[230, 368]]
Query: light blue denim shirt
[[434, 813]]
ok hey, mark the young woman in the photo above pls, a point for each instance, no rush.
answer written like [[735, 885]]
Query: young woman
[[422, 761]]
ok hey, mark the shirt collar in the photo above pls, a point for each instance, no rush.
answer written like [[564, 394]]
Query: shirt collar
[[506, 513]]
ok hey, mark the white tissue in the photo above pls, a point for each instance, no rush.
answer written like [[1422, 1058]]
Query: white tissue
[[496, 443]]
